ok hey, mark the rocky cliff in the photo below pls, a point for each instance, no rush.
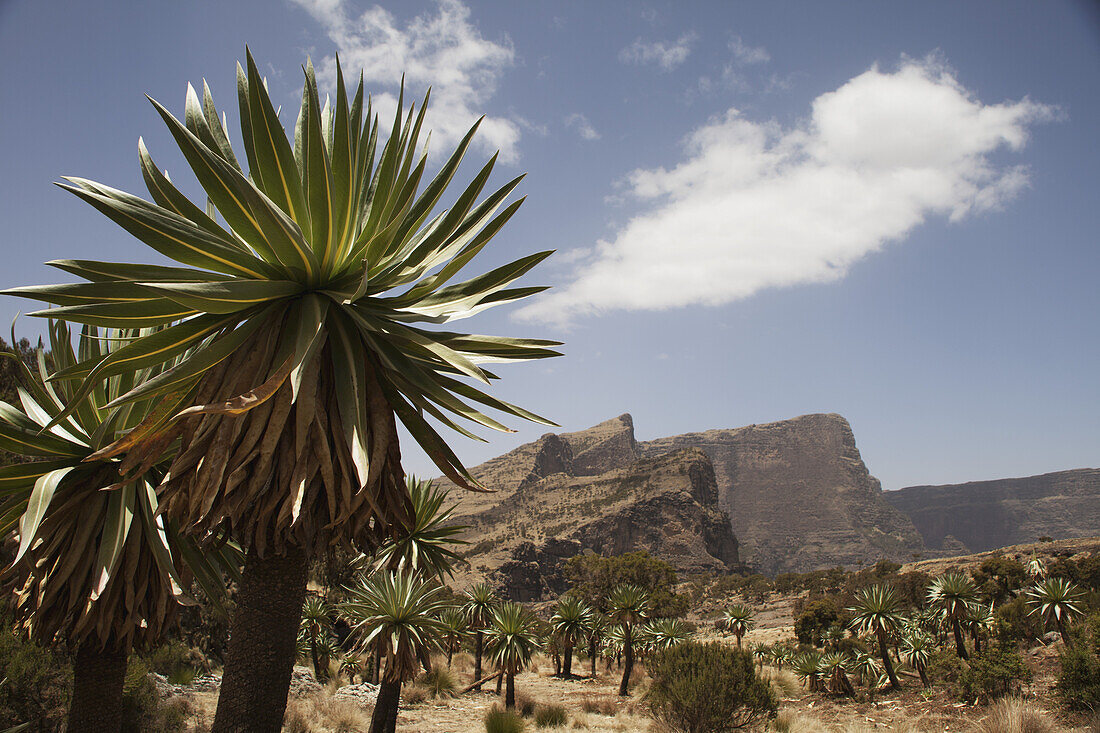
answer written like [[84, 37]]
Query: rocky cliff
[[799, 495], [983, 515], [565, 494]]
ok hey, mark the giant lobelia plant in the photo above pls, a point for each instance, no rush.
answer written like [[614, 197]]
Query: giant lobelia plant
[[96, 567], [305, 288]]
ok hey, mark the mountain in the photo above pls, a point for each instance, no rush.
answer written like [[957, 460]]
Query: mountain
[[592, 490], [799, 495], [983, 515], [786, 496]]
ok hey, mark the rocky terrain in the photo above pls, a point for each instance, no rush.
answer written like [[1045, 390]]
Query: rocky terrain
[[799, 495], [565, 494], [983, 515], [788, 496]]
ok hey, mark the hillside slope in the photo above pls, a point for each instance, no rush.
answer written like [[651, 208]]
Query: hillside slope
[[983, 515]]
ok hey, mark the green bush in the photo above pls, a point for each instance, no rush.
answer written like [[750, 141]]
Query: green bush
[[143, 711], [1079, 679], [550, 716], [1013, 621], [943, 668], [35, 681], [502, 721], [814, 619], [992, 673], [712, 688], [592, 577]]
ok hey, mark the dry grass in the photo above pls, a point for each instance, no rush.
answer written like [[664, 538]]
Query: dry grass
[[790, 721], [599, 704], [323, 713], [784, 682], [1012, 715]]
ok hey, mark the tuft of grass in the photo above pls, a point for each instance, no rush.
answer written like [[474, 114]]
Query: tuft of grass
[[525, 705], [414, 695], [1013, 715], [440, 682], [550, 716], [502, 721], [600, 705]]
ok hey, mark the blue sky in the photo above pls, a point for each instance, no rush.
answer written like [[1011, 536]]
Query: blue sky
[[761, 210]]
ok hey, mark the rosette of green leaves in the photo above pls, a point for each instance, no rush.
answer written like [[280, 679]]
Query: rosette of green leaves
[[306, 296], [95, 560]]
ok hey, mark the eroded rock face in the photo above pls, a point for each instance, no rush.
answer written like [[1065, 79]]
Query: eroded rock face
[[666, 505], [799, 495], [983, 515]]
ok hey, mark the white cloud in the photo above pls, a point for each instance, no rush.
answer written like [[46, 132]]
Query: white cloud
[[441, 48], [667, 55], [582, 125], [755, 206], [746, 54]]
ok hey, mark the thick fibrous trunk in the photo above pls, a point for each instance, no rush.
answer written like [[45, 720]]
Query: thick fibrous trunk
[[98, 677], [592, 655], [628, 662], [960, 645], [262, 643], [477, 657], [886, 661], [384, 719], [567, 667], [510, 692]]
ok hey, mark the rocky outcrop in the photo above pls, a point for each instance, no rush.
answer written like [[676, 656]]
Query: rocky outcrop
[[666, 505], [983, 515], [799, 495]]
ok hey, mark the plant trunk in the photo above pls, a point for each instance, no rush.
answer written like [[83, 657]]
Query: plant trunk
[[510, 692], [500, 681], [923, 675], [477, 658], [450, 653], [960, 645], [98, 678], [628, 662], [262, 643], [313, 653], [384, 719], [977, 642], [738, 642], [376, 666], [567, 669], [592, 654], [1062, 631], [886, 661]]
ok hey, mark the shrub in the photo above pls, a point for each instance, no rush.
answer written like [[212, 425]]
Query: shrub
[[502, 721], [36, 681], [992, 673], [944, 668], [1012, 715], [707, 687], [1079, 679], [1013, 621], [550, 716], [815, 618], [143, 711]]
